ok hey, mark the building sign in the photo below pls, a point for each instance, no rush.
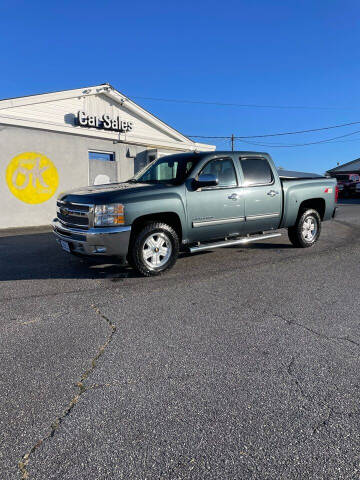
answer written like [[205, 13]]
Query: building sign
[[105, 122], [32, 177]]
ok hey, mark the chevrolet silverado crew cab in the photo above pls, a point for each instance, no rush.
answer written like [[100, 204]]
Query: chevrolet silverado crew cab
[[193, 202]]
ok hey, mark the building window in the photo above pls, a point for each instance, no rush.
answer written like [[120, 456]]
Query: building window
[[105, 156]]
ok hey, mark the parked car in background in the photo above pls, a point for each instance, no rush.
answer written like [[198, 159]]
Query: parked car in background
[[357, 190], [340, 189], [347, 183], [193, 202]]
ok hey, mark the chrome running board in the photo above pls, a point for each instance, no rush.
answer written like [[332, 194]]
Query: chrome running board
[[228, 243]]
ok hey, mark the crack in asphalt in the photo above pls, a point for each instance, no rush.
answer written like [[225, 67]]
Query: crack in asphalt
[[23, 463], [289, 368], [291, 374], [333, 412], [314, 332], [323, 423]]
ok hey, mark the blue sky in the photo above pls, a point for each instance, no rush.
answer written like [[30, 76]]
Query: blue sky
[[287, 53]]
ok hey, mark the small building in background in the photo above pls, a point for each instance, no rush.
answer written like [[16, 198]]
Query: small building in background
[[346, 168], [59, 141]]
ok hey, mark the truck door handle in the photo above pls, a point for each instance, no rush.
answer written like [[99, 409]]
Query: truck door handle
[[272, 193], [233, 196]]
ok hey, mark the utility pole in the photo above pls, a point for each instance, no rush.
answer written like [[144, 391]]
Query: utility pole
[[232, 142]]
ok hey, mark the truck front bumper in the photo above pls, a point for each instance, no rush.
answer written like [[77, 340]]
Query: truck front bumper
[[108, 241]]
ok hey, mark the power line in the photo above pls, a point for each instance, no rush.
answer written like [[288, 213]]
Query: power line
[[243, 105], [347, 141], [301, 144], [244, 140], [283, 133], [302, 131]]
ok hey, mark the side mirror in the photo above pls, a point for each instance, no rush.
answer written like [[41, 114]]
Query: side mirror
[[206, 180]]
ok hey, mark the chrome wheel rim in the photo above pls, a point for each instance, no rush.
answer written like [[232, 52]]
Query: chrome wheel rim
[[309, 229], [156, 250]]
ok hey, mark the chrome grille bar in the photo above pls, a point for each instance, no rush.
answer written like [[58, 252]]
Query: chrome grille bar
[[78, 215], [72, 212]]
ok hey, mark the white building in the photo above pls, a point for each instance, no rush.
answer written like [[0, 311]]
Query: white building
[[63, 140]]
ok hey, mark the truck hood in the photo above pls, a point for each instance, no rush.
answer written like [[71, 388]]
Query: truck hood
[[97, 194]]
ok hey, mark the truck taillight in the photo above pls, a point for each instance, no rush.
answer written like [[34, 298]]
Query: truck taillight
[[336, 193]]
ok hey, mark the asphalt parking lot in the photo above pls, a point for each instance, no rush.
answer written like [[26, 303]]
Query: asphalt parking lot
[[241, 363]]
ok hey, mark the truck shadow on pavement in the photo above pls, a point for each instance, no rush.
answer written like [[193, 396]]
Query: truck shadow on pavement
[[38, 256]]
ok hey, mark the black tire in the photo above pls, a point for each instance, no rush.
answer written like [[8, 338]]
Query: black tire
[[139, 244], [297, 233], [129, 260]]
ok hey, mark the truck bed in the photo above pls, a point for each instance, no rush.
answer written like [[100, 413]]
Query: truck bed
[[293, 175]]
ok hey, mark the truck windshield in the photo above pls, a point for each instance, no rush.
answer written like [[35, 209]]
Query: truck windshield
[[173, 169]]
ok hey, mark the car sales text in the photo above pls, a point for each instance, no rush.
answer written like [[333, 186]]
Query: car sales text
[[105, 122]]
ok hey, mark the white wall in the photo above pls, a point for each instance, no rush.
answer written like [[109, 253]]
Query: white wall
[[69, 154]]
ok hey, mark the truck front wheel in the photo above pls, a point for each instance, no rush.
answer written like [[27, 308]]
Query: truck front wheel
[[306, 232], [154, 249]]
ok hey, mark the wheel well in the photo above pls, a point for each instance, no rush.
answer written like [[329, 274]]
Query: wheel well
[[317, 204], [170, 218]]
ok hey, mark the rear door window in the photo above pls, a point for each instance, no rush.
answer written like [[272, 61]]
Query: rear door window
[[256, 171]]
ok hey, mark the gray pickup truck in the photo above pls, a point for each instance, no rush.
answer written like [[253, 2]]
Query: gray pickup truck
[[193, 202]]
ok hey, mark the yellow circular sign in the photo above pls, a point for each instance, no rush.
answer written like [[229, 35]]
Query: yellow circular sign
[[32, 177]]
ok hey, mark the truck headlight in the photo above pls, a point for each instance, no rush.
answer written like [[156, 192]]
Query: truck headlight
[[107, 215]]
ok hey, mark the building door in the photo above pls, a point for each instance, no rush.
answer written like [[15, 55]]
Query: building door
[[102, 168]]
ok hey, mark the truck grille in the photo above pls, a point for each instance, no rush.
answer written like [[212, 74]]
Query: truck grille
[[73, 214]]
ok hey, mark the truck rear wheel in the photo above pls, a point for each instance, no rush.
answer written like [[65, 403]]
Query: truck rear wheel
[[154, 249], [306, 232]]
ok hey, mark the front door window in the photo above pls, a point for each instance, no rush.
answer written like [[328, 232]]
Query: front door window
[[224, 170]]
